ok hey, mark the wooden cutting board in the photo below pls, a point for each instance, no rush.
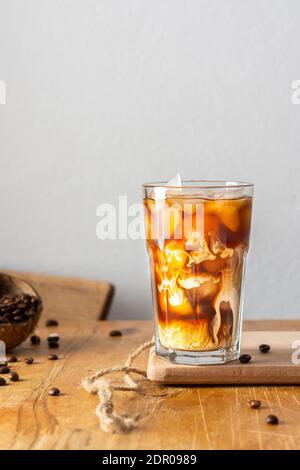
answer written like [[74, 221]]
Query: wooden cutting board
[[70, 297], [274, 367]]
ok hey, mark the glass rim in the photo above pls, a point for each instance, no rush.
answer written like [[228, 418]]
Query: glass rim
[[201, 184]]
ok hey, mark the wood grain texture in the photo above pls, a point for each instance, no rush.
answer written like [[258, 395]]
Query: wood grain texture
[[275, 367], [68, 297], [187, 418]]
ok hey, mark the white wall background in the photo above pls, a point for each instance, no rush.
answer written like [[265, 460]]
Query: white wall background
[[103, 95]]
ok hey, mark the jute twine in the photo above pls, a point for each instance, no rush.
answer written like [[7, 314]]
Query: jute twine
[[96, 384]]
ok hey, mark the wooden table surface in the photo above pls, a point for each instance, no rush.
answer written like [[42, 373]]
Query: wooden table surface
[[187, 418]]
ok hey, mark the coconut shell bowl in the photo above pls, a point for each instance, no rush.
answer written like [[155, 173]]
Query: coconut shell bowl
[[20, 310]]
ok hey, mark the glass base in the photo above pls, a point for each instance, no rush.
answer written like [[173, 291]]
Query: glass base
[[198, 358]]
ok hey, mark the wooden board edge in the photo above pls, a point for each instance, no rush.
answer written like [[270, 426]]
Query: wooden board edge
[[103, 314], [243, 375]]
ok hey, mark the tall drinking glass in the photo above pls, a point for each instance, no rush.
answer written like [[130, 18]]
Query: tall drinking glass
[[197, 238]]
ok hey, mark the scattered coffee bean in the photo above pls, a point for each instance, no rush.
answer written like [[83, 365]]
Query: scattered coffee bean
[[4, 370], [245, 358], [35, 340], [53, 357], [14, 376], [54, 391], [272, 419], [115, 333], [255, 404], [2, 381], [264, 348], [29, 360], [53, 338], [53, 344], [51, 322], [12, 359]]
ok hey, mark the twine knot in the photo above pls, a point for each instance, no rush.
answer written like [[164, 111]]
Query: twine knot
[[109, 420]]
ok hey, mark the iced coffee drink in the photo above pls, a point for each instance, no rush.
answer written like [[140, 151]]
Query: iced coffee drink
[[197, 237]]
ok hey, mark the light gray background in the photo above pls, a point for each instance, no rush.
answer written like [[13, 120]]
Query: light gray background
[[103, 95]]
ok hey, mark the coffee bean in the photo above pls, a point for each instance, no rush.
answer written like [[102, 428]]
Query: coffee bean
[[264, 348], [2, 381], [35, 340], [8, 316], [115, 333], [51, 322], [12, 359], [54, 391], [53, 344], [52, 357], [255, 404], [245, 358], [17, 298], [272, 419], [6, 297], [29, 313], [29, 360], [4, 370], [14, 309], [53, 338], [21, 305], [18, 319], [14, 376]]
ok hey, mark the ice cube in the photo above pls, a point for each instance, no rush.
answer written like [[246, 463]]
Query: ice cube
[[175, 181], [161, 191]]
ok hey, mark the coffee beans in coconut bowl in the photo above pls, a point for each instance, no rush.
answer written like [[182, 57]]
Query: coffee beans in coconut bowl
[[20, 310]]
